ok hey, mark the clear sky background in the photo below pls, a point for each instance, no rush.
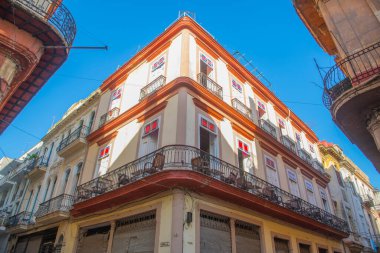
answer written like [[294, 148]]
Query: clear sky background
[[268, 32]]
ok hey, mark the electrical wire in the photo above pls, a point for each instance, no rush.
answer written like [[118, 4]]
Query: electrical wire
[[21, 130]]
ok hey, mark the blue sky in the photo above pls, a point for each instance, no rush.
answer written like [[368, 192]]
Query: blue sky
[[268, 33]]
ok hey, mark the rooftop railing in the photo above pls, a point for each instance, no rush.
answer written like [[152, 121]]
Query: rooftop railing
[[210, 84], [80, 132], [108, 116], [268, 127], [53, 12], [241, 108], [152, 87], [61, 203], [351, 72], [191, 158], [23, 218]]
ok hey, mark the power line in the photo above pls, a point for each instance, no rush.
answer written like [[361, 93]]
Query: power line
[[21, 130]]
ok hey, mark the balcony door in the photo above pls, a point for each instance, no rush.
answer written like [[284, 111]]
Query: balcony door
[[149, 139], [271, 171], [208, 141]]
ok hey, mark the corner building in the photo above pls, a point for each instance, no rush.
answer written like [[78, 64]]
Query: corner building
[[189, 152]]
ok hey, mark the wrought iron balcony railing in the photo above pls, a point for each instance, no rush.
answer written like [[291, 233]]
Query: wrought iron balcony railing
[[61, 203], [351, 72], [210, 84], [80, 132], [367, 200], [23, 218], [191, 158], [53, 12], [318, 166], [289, 143], [305, 156], [241, 108], [110, 115], [268, 127], [152, 87]]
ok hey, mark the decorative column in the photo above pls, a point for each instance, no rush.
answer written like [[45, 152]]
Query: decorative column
[[373, 126]]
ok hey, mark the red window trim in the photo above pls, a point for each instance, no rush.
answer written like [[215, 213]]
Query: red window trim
[[208, 125], [151, 127]]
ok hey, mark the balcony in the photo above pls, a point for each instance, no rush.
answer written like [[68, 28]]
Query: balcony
[[268, 127], [351, 72], [19, 222], [210, 84], [304, 155], [289, 143], [318, 166], [241, 108], [37, 167], [152, 87], [108, 116], [55, 209], [367, 200], [74, 142], [185, 166]]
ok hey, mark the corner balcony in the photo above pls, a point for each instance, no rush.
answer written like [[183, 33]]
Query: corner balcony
[[45, 22], [241, 108], [152, 87], [268, 127], [351, 93], [210, 85], [108, 116], [289, 143], [55, 209], [74, 142], [19, 222], [191, 168]]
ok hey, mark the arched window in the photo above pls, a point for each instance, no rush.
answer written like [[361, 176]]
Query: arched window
[[46, 190], [78, 171], [65, 180], [53, 187]]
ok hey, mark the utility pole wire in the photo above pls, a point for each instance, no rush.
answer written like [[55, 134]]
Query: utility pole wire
[[21, 130]]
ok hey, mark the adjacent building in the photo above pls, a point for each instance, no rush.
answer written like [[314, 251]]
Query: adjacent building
[[353, 199], [350, 31], [35, 40]]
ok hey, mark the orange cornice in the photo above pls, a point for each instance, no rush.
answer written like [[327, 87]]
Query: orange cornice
[[306, 174], [206, 48], [321, 183], [149, 113], [289, 162], [268, 148], [204, 107], [236, 74], [242, 132], [107, 138], [159, 51], [204, 37]]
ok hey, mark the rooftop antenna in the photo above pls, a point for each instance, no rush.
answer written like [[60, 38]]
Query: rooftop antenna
[[248, 64], [186, 13]]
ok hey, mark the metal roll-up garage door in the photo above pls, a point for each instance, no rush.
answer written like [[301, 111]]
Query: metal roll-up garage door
[[94, 240], [215, 233], [135, 234]]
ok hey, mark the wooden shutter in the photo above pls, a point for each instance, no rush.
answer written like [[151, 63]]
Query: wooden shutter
[[281, 245], [247, 237], [215, 234], [34, 244], [135, 234], [94, 240]]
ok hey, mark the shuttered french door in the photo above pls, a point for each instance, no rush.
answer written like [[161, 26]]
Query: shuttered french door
[[247, 237], [94, 240], [135, 234], [215, 233]]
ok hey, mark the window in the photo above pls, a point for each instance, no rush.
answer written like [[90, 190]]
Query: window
[[36, 198], [311, 147], [244, 157], [271, 170], [304, 248], [237, 86], [293, 182], [65, 180], [310, 192], [281, 245], [325, 203], [149, 141], [94, 240], [115, 98], [281, 124], [247, 237], [208, 136], [135, 234], [339, 177], [237, 90], [261, 109], [206, 66], [215, 233], [299, 140], [78, 170], [157, 68], [322, 250], [103, 161], [91, 121]]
